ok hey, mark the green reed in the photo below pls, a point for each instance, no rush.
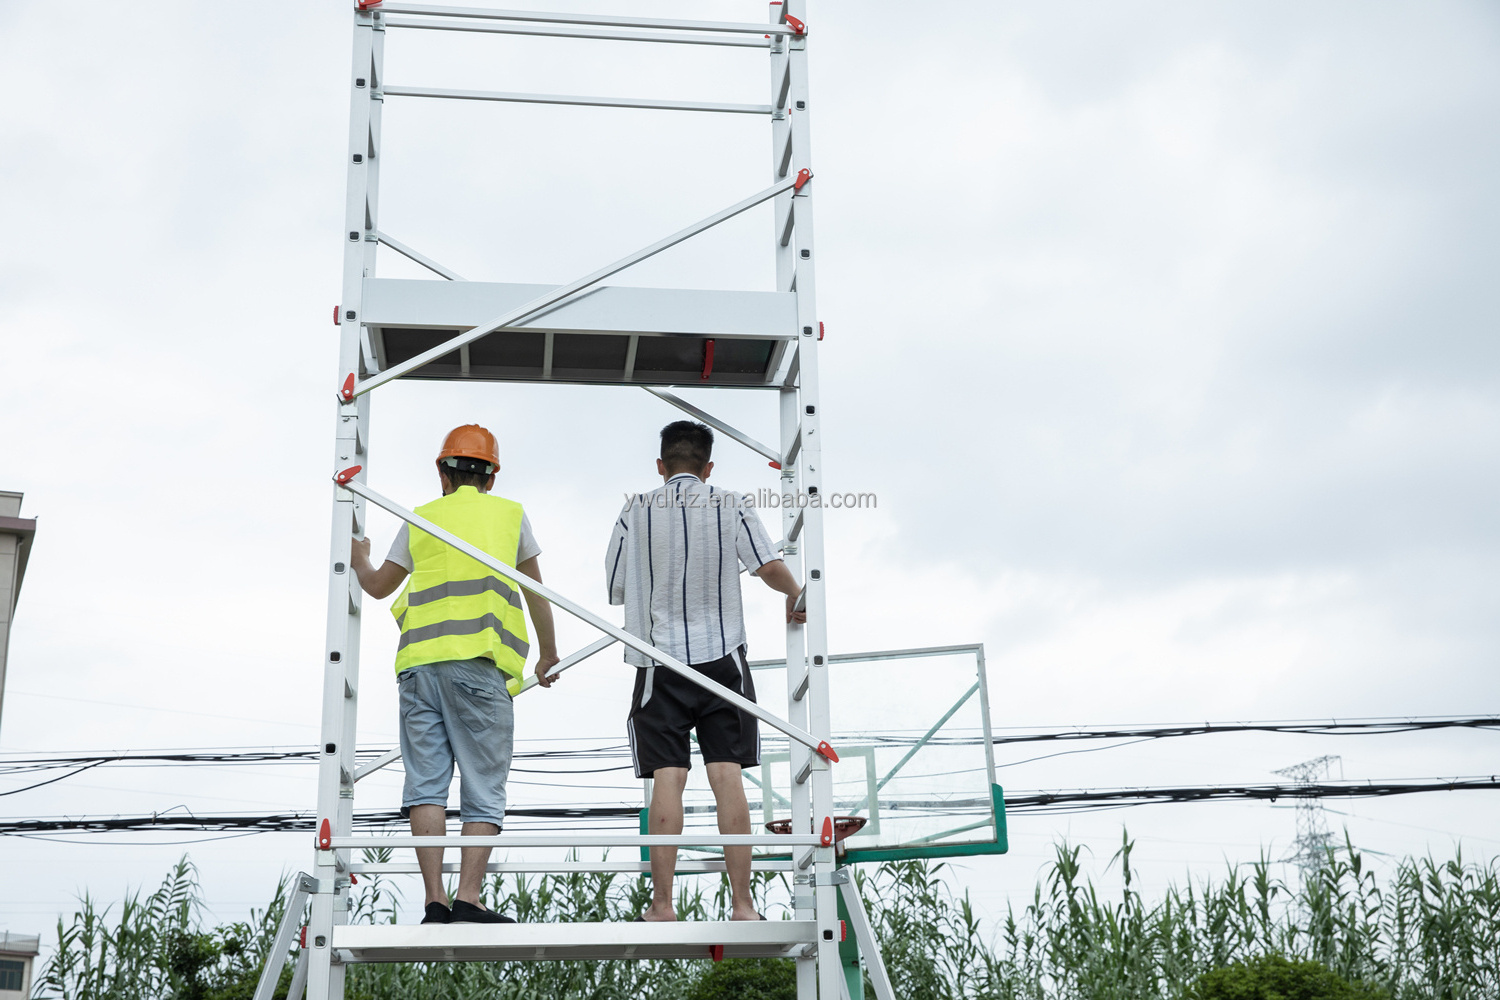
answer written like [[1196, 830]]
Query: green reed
[[1423, 930]]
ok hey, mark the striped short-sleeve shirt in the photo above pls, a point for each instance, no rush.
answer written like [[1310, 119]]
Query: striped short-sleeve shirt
[[674, 562]]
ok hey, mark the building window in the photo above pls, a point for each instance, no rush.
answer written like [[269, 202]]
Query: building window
[[11, 974]]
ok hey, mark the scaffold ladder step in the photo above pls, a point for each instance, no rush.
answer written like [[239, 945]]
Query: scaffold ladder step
[[583, 940]]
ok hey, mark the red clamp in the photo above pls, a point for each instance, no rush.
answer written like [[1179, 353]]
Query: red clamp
[[366, 4], [803, 176], [827, 838], [325, 836], [352, 879], [716, 952], [303, 941], [708, 359], [347, 392], [843, 932], [826, 752], [335, 315], [820, 329], [343, 479], [774, 465], [798, 26]]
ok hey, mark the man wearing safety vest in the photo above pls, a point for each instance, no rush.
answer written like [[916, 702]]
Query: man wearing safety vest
[[460, 660]]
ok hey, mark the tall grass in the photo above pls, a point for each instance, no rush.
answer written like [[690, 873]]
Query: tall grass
[[156, 947], [1428, 930], [1424, 930]]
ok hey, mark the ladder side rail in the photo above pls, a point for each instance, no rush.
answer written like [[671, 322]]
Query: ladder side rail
[[341, 654], [803, 898], [810, 463], [821, 746]]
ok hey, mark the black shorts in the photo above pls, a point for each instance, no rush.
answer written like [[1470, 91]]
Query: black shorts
[[667, 706]]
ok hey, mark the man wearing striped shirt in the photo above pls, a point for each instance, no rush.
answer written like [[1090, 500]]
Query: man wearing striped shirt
[[674, 562]]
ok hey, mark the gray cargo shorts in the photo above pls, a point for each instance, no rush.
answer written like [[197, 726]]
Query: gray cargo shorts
[[456, 711]]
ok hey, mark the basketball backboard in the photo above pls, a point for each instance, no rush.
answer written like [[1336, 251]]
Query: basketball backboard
[[916, 761]]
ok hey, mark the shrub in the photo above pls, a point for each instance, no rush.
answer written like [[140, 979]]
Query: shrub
[[1272, 977], [747, 979]]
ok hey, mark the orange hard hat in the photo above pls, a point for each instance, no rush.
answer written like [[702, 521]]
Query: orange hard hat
[[471, 441]]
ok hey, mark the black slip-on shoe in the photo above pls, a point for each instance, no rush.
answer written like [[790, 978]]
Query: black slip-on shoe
[[468, 913], [437, 913]]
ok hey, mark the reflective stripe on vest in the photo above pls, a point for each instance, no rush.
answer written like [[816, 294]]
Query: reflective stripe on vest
[[454, 607]]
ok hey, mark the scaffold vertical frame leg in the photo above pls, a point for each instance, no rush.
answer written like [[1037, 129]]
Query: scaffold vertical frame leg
[[801, 445], [302, 887], [864, 936], [336, 765]]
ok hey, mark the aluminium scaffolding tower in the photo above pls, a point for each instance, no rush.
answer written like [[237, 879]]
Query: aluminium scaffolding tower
[[657, 339]]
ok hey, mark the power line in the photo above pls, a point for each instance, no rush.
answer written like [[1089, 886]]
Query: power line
[[1062, 800], [255, 755]]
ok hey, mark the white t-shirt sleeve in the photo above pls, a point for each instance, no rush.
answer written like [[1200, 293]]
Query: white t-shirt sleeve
[[752, 544], [400, 552], [528, 548]]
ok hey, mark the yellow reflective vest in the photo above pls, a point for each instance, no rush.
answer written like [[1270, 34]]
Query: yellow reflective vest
[[453, 607]]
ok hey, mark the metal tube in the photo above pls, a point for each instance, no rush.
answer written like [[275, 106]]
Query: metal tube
[[453, 867], [536, 305], [578, 611], [588, 102], [715, 423], [571, 660], [590, 840], [887, 654], [601, 20], [732, 41], [426, 262], [384, 760]]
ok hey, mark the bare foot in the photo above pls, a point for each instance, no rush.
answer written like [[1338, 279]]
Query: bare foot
[[744, 911], [658, 913]]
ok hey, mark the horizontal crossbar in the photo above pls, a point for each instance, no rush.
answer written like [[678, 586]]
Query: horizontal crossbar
[[563, 31], [452, 867], [599, 20], [588, 102], [588, 840]]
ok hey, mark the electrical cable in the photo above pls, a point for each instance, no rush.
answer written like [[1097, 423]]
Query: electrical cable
[[1062, 800]]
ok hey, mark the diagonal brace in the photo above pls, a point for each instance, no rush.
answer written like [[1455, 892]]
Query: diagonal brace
[[715, 423], [515, 576], [864, 934], [556, 295], [426, 262], [270, 976]]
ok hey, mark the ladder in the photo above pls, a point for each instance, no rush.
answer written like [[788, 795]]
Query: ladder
[[584, 332]]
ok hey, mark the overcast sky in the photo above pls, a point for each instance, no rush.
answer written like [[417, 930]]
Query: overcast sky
[[1165, 334]]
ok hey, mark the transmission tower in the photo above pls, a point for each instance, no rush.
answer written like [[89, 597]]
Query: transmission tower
[[1310, 849]]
